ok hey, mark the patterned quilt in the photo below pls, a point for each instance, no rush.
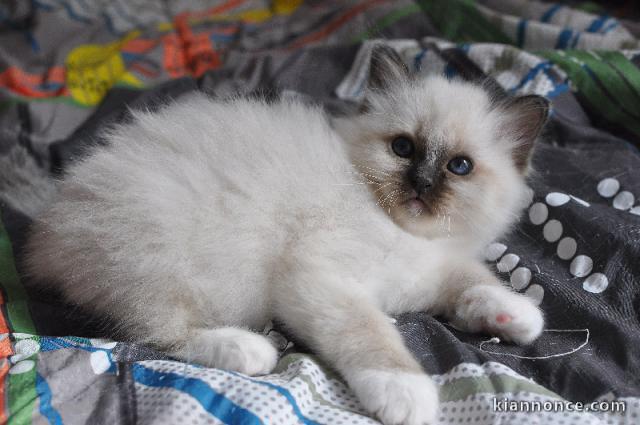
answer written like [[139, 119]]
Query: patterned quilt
[[68, 67]]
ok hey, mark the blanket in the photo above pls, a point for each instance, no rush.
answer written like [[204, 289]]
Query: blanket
[[69, 67]]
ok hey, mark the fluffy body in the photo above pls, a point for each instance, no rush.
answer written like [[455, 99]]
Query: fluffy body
[[201, 222]]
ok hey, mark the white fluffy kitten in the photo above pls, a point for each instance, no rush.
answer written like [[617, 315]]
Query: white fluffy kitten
[[201, 222]]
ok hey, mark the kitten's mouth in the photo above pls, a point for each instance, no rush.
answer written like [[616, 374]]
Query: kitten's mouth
[[415, 205]]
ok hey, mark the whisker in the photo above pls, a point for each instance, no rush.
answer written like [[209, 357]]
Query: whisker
[[382, 198], [368, 176], [383, 186], [377, 179], [354, 184], [388, 195], [395, 197], [384, 173]]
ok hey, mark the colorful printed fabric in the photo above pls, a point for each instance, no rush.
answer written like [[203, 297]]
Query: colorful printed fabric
[[68, 67], [300, 391]]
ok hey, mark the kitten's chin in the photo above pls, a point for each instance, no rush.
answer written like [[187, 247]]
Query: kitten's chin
[[414, 217]]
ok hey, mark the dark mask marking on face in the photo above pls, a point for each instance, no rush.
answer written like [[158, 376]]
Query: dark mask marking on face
[[426, 175]]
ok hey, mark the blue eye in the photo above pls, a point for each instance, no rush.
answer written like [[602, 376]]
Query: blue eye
[[402, 146], [460, 165]]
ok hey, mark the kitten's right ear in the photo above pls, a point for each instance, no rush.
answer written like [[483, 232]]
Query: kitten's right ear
[[526, 116], [386, 66]]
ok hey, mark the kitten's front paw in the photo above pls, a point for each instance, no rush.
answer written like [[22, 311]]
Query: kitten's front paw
[[397, 398], [498, 311]]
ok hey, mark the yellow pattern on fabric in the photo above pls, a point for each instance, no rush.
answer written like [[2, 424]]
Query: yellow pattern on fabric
[[92, 69]]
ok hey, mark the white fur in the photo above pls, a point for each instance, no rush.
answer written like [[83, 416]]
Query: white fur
[[209, 218], [232, 349], [397, 397]]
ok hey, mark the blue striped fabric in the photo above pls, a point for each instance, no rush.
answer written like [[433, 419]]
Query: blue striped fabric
[[284, 392], [46, 409], [574, 43], [522, 28], [564, 38], [58, 343], [557, 90], [597, 23], [533, 72], [546, 16], [43, 6], [609, 27], [417, 61], [216, 404], [449, 71]]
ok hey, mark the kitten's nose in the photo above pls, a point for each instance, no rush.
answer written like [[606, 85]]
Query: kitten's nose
[[420, 183]]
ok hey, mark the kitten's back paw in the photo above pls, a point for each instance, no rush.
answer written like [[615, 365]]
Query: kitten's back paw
[[395, 397], [233, 349]]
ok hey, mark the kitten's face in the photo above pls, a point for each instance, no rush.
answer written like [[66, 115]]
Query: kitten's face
[[442, 160]]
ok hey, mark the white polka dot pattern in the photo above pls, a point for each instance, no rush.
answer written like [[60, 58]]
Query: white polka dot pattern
[[623, 200], [495, 251], [100, 362], [24, 348], [468, 393], [318, 397], [581, 266], [479, 407], [538, 213], [555, 199], [608, 187], [567, 248], [552, 231], [520, 278], [327, 401], [23, 366], [469, 370], [596, 283], [508, 263]]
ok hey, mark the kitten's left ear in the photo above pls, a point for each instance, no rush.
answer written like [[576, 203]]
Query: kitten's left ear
[[525, 118]]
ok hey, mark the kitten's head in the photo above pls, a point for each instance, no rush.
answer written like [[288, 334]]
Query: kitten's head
[[444, 158]]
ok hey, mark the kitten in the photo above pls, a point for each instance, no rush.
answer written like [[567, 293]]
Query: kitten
[[199, 223]]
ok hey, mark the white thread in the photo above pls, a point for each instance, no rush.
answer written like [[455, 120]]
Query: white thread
[[580, 201], [496, 340]]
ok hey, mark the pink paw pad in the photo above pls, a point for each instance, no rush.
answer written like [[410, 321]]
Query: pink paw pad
[[503, 318]]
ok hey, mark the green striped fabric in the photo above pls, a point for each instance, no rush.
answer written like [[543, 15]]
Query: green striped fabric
[[19, 387], [460, 21], [607, 81]]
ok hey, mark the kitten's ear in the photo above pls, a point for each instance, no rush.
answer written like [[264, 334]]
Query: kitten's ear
[[525, 118], [386, 67]]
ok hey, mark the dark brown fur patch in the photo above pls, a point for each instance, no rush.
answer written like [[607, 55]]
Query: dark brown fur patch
[[528, 115]]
